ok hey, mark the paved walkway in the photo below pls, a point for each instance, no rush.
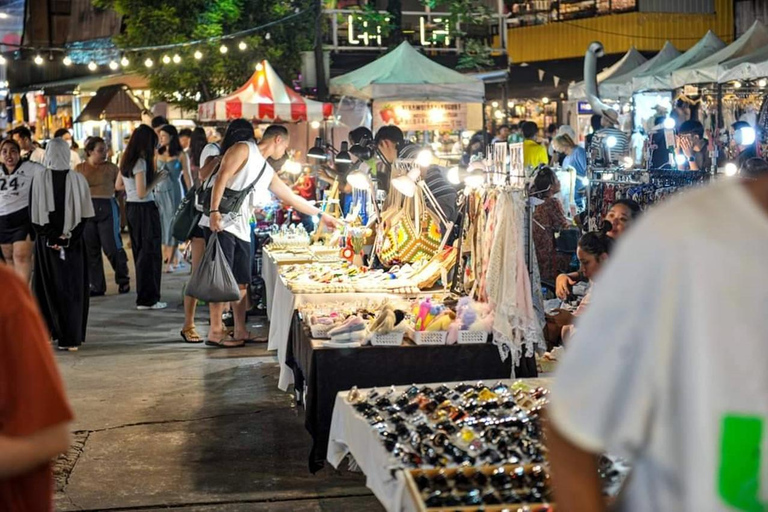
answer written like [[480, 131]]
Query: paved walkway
[[165, 425]]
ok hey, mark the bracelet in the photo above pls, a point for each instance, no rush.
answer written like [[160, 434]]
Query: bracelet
[[213, 211]]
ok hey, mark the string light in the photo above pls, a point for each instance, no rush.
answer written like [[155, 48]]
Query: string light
[[113, 65], [268, 36], [242, 46], [223, 49], [92, 66], [166, 59], [176, 59], [149, 63], [198, 54], [67, 61], [39, 60], [2, 61], [124, 62]]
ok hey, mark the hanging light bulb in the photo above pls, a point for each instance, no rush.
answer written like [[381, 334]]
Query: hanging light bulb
[[67, 61], [113, 65], [124, 62], [223, 48], [762, 82], [39, 60], [268, 36], [242, 46], [166, 59], [198, 54], [149, 63], [92, 66], [3, 61], [737, 84], [176, 58]]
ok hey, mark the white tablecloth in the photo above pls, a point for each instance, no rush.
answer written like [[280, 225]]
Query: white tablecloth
[[269, 274], [351, 434]]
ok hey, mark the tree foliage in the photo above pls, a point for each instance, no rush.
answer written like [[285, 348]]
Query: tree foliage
[[150, 22]]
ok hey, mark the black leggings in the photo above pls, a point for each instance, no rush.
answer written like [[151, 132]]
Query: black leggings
[[103, 232], [144, 226]]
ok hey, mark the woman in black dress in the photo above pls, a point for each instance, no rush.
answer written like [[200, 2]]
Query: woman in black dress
[[60, 203]]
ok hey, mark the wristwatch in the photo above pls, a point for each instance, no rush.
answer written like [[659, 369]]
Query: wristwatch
[[691, 158]]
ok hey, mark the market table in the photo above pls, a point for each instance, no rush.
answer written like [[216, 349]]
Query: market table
[[323, 372], [270, 273], [286, 303], [351, 434]]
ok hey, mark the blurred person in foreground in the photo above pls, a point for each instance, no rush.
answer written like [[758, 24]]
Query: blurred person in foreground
[[668, 366], [34, 413]]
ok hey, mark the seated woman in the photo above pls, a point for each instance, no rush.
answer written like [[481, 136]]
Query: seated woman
[[59, 204], [548, 219], [620, 216], [576, 158], [593, 251]]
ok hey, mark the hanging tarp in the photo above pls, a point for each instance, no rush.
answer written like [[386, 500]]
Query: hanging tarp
[[708, 69], [265, 98], [620, 87], [631, 60], [660, 79], [404, 74]]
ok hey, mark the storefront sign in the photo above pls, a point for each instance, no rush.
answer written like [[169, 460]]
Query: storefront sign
[[585, 108], [691, 90], [414, 116]]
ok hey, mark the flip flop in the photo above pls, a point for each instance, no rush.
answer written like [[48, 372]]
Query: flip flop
[[225, 343], [191, 335], [253, 339]]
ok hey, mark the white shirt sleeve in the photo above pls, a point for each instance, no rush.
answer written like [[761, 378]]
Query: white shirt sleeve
[[208, 151], [604, 391]]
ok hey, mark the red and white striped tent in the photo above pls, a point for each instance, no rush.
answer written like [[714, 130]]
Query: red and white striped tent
[[265, 98]]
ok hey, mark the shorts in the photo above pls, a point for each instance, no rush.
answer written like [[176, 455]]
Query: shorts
[[197, 232], [237, 253], [16, 227]]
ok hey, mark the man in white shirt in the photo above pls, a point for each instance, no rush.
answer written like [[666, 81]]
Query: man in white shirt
[[29, 150], [243, 164], [669, 367]]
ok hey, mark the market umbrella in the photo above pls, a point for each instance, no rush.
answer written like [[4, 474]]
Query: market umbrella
[[617, 87], [404, 74], [631, 60], [264, 97], [661, 78], [707, 70]]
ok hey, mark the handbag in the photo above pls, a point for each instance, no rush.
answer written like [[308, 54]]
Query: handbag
[[212, 280], [409, 232], [231, 200], [187, 216]]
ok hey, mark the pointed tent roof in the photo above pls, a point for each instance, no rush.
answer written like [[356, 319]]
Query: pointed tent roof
[[631, 60], [113, 103], [661, 78], [706, 71], [621, 86], [264, 97], [405, 74], [748, 67]]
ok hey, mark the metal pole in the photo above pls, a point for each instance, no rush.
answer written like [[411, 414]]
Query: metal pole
[[322, 88]]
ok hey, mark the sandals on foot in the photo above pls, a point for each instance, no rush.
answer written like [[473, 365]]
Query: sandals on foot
[[253, 339], [191, 335], [225, 343]]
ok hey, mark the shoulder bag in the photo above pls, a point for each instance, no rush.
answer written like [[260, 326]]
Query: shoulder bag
[[231, 200]]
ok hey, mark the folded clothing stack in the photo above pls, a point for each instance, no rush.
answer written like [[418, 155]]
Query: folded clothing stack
[[351, 333]]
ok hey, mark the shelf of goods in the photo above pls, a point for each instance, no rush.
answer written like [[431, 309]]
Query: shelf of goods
[[453, 446]]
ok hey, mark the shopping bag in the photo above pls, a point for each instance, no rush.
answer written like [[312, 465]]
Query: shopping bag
[[187, 217], [213, 281]]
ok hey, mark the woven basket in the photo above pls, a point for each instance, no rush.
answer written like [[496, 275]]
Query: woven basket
[[430, 337], [320, 331], [468, 337], [392, 339]]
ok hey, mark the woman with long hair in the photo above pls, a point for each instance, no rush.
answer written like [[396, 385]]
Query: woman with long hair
[[138, 178], [197, 143], [102, 232], [238, 130], [548, 219], [16, 234], [172, 159], [60, 204]]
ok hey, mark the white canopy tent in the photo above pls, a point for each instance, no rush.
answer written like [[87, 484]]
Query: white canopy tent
[[404, 74], [620, 87], [631, 60], [749, 67], [661, 77], [708, 69]]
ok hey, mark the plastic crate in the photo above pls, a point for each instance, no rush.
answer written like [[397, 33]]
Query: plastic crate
[[469, 337], [320, 331], [392, 339], [430, 337]]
